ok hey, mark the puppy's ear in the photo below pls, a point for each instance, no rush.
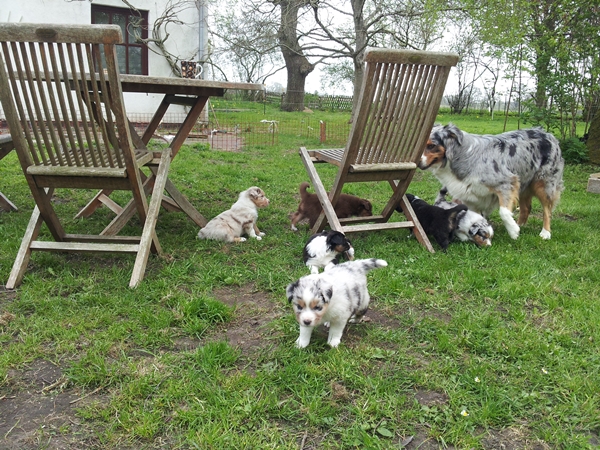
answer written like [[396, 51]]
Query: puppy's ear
[[335, 238], [254, 192], [289, 291], [366, 204], [325, 290]]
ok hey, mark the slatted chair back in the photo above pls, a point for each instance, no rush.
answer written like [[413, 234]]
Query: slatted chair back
[[59, 86], [399, 100], [62, 97]]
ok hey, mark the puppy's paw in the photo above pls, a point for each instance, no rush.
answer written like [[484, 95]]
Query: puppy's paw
[[258, 238], [242, 239], [294, 228], [261, 234], [300, 343], [334, 342], [545, 234]]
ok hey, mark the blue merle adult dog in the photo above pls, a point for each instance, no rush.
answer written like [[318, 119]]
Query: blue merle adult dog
[[489, 171]]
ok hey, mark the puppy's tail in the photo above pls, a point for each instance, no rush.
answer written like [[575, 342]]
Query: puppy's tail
[[441, 197], [368, 264], [453, 215], [303, 187]]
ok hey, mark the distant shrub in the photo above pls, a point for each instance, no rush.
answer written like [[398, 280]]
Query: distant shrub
[[574, 151]]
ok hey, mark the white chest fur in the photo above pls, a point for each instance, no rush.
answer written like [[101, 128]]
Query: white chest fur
[[469, 191]]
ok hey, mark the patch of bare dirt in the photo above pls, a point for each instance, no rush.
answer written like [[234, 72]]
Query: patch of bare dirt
[[37, 410], [511, 439], [254, 311], [431, 398], [421, 441]]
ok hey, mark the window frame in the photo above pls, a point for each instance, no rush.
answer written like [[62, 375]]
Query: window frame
[[129, 41]]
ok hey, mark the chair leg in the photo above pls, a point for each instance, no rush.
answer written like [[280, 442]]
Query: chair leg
[[24, 254], [328, 210], [148, 233], [417, 229]]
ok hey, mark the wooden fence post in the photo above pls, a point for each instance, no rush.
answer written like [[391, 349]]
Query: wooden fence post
[[323, 134]]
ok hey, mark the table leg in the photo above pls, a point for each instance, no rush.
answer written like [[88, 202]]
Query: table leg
[[6, 204], [177, 202]]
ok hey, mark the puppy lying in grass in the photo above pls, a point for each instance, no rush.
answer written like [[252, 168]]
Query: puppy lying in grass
[[437, 222], [240, 219], [337, 296], [470, 226]]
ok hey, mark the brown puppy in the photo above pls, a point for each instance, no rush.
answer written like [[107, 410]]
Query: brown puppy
[[310, 207]]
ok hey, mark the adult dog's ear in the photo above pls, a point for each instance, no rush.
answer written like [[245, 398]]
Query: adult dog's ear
[[289, 291], [454, 133]]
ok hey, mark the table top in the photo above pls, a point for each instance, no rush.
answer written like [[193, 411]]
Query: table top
[[6, 145], [183, 86]]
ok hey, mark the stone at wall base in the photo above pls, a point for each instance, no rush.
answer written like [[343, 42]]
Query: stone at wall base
[[594, 183]]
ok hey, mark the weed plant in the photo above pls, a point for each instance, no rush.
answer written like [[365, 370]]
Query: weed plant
[[471, 348]]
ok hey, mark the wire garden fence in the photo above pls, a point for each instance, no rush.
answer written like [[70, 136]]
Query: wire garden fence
[[234, 130]]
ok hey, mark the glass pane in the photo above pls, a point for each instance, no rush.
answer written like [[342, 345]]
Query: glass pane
[[122, 58], [100, 17], [119, 19], [135, 60], [135, 28], [103, 57]]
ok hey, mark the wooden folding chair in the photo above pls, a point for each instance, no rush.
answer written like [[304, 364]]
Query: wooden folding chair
[[399, 100], [61, 94]]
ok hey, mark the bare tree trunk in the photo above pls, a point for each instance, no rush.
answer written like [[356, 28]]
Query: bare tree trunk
[[593, 141], [360, 32], [297, 65]]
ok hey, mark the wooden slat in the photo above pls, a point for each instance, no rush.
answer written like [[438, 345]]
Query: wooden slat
[[50, 246], [377, 226], [384, 167], [406, 56], [71, 33], [69, 171]]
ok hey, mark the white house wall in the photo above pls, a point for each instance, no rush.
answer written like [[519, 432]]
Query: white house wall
[[182, 42]]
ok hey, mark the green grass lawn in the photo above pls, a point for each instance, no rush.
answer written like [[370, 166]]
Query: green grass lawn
[[473, 348]]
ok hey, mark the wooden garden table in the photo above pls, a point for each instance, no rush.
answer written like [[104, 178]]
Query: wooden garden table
[[192, 93]]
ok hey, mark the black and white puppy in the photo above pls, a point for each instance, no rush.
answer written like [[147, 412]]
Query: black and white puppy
[[437, 222], [471, 226], [337, 296], [323, 249]]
